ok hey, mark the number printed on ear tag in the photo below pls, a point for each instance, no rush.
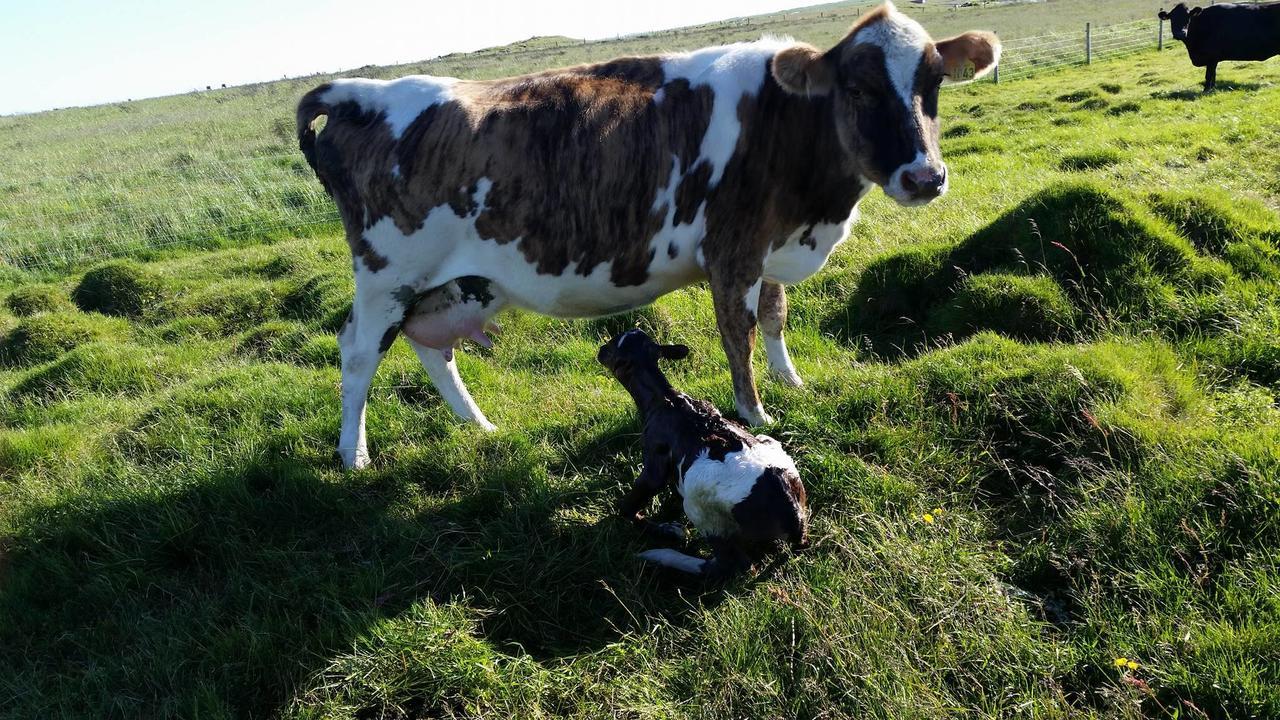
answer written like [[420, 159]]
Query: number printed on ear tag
[[966, 71]]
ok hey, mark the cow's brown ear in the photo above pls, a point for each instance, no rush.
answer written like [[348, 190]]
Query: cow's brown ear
[[802, 70], [969, 56]]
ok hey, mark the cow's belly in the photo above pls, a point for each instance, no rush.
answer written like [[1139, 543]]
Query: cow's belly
[[805, 251], [448, 247]]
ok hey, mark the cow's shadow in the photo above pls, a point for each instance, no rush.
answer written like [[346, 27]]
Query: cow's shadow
[[1191, 94], [245, 582]]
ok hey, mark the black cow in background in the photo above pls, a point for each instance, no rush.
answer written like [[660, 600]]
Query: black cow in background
[[1225, 32]]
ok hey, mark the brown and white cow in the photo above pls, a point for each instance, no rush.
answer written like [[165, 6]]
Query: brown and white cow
[[596, 189]]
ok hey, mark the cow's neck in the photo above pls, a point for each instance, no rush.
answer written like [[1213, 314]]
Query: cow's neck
[[791, 148]]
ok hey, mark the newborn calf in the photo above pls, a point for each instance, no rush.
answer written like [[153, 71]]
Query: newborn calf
[[739, 489]]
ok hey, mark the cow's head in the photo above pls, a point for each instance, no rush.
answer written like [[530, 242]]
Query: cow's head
[[1179, 20], [883, 80]]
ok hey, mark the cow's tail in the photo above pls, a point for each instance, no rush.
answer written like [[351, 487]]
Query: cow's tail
[[311, 106]]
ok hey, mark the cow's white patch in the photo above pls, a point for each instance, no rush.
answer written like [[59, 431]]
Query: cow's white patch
[[796, 261], [752, 298], [711, 489], [903, 41], [674, 559], [780, 364], [731, 71], [401, 100]]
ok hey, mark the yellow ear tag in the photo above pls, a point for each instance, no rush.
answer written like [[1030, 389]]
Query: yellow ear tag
[[967, 71]]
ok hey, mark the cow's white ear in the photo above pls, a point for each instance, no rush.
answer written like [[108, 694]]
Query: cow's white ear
[[801, 70], [969, 56]]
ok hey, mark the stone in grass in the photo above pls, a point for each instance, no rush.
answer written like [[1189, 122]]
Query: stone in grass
[[122, 288]]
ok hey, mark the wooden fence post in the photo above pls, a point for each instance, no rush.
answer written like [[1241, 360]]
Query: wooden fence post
[[1088, 43]]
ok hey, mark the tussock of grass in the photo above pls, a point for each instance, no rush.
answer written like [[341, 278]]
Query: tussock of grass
[[121, 288], [31, 299], [1089, 160], [46, 336]]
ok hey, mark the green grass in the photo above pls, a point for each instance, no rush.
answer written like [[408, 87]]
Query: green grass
[[1078, 365]]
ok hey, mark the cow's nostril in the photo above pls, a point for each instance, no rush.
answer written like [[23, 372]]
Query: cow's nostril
[[909, 183]]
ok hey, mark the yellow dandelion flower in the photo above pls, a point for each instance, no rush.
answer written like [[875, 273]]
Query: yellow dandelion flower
[[937, 511], [1122, 661], [927, 518], [1132, 665]]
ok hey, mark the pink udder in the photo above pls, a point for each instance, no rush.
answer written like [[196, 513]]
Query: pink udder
[[443, 329]]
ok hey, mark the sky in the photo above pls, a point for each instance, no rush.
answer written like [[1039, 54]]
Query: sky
[[63, 53]]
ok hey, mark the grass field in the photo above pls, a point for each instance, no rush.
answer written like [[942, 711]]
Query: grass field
[[1070, 364]]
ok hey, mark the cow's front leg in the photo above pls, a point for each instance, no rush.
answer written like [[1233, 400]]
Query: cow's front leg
[[1210, 76], [773, 318], [736, 298]]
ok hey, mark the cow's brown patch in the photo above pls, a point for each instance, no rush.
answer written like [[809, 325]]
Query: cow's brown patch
[[576, 157]]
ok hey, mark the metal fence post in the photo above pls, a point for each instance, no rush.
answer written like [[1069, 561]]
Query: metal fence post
[[995, 76], [1088, 43], [1160, 40]]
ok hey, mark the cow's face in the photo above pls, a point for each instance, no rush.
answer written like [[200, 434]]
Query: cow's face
[[883, 82], [1179, 20]]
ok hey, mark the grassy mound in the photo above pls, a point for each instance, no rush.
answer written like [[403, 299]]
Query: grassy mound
[[236, 304], [101, 367], [44, 337], [1089, 160], [1112, 258], [1021, 307], [121, 288], [324, 298], [32, 299]]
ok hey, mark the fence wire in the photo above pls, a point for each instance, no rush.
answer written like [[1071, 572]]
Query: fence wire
[[199, 198]]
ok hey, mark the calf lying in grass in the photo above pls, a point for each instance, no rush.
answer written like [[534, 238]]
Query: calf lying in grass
[[740, 490]]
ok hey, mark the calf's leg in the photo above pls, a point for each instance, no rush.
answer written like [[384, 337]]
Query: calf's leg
[[1210, 76], [773, 318]]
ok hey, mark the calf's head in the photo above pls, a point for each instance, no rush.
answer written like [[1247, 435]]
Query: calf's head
[[635, 352], [1179, 20], [883, 80]]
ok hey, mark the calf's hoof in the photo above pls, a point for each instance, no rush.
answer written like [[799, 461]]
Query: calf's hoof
[[354, 459], [787, 376]]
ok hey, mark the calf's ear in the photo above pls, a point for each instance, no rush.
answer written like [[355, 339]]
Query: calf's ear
[[673, 352], [1195, 11], [969, 56], [802, 70]]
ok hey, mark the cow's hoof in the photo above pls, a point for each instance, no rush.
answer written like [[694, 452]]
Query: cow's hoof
[[756, 417], [668, 531], [354, 459], [485, 425]]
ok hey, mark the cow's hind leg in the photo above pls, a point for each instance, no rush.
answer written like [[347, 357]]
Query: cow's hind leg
[[773, 318], [374, 322], [1210, 76], [443, 372]]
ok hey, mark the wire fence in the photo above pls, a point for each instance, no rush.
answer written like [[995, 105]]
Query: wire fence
[[206, 197]]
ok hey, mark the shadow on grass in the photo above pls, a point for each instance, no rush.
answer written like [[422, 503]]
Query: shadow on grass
[[219, 595], [1187, 94]]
